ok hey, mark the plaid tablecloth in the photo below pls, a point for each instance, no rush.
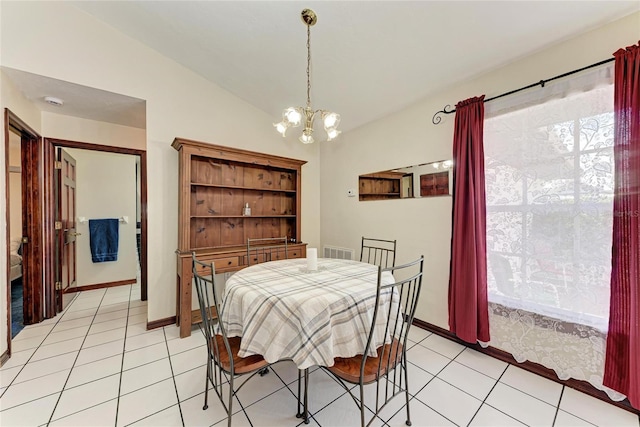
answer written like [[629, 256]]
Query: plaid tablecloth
[[282, 311]]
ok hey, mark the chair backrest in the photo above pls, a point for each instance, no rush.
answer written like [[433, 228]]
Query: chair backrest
[[266, 249], [379, 252], [209, 300], [400, 311], [502, 273]]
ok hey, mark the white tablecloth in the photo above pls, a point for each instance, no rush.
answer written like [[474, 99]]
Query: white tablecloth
[[283, 311]]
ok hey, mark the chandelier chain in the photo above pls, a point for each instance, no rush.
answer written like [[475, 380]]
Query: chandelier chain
[[308, 66]]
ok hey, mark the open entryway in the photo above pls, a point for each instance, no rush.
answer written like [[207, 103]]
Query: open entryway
[[96, 185]]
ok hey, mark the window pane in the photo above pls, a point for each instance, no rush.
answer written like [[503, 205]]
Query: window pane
[[549, 184]]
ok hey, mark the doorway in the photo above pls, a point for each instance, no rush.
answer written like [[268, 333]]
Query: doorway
[[15, 234], [24, 221], [77, 225]]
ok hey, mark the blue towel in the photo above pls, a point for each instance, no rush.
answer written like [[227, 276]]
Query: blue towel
[[103, 239]]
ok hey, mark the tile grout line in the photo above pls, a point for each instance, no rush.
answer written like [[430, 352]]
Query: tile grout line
[[284, 386], [173, 377], [436, 376], [488, 394], [557, 406], [109, 400], [555, 416], [530, 395], [31, 357], [124, 347], [345, 392], [485, 398], [29, 360], [572, 414], [74, 362]]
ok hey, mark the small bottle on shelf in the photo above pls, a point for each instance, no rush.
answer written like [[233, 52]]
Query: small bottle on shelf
[[246, 211]]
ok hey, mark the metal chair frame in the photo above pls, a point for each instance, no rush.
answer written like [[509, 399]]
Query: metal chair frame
[[389, 369], [216, 372], [265, 247], [378, 252]]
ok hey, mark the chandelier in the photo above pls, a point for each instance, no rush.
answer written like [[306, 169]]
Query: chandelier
[[294, 116]]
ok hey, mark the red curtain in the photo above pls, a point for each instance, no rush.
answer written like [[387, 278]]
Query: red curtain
[[622, 363], [468, 311]]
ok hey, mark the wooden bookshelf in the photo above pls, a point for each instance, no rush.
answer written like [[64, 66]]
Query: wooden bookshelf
[[216, 183]]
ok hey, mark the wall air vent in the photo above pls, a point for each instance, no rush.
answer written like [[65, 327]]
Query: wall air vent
[[338, 253]]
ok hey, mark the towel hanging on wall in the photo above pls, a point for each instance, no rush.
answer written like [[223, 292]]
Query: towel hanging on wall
[[103, 239]]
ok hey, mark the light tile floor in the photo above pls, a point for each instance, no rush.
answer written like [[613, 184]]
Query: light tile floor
[[96, 364]]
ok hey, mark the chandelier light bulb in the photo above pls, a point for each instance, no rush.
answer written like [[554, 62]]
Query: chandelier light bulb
[[331, 120], [292, 116], [307, 137], [332, 133], [281, 127]]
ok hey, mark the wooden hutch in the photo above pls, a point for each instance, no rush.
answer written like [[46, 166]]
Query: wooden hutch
[[215, 184]]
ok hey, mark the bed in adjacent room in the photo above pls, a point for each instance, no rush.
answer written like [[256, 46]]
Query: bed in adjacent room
[[15, 258]]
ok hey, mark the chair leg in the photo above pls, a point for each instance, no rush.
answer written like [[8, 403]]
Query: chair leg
[[231, 393], [206, 387], [362, 403], [304, 414], [306, 396], [299, 414], [406, 391]]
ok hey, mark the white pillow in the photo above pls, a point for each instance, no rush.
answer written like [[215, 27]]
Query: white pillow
[[13, 246]]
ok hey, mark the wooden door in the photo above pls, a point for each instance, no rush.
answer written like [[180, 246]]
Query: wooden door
[[66, 234]]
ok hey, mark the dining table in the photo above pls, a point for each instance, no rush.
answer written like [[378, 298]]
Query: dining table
[[282, 310]]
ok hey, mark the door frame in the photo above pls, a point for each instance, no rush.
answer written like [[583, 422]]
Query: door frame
[[32, 252], [50, 145]]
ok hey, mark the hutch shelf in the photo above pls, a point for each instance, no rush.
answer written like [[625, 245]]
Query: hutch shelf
[[216, 183]]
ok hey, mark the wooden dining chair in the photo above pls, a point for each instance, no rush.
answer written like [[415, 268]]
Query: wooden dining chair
[[266, 249], [387, 371], [378, 252], [223, 362]]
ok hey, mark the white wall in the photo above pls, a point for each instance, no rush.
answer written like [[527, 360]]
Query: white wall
[[423, 226], [92, 131], [67, 44], [105, 188]]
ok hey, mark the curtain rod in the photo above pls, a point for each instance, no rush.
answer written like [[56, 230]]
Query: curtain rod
[[437, 118]]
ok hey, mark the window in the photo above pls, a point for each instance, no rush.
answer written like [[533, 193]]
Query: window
[[549, 188]]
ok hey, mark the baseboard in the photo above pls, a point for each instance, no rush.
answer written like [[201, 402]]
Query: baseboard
[[5, 356], [100, 286], [535, 368], [161, 322]]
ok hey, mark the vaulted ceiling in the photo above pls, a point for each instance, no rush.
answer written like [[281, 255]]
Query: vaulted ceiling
[[369, 58]]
